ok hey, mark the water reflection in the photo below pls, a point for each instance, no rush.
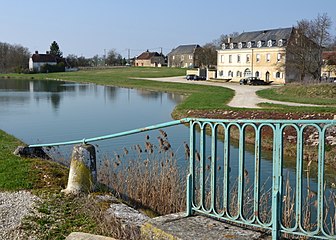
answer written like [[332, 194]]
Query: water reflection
[[77, 110]]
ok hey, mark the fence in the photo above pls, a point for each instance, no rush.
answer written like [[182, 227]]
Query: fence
[[212, 192]]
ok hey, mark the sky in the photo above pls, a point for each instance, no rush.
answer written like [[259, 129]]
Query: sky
[[90, 27]]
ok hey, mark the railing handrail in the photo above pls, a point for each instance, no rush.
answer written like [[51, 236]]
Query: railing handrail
[[115, 135], [177, 122]]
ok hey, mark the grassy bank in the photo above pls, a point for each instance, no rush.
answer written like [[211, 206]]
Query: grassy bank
[[319, 94], [19, 173], [56, 215]]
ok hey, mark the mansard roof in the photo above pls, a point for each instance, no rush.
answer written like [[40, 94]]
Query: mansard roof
[[264, 35], [277, 37]]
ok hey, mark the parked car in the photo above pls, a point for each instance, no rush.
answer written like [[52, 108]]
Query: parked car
[[194, 77], [190, 76], [253, 81]]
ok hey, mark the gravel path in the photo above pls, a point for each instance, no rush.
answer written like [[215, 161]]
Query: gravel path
[[245, 96], [14, 206]]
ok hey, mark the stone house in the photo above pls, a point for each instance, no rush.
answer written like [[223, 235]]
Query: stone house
[[263, 54], [186, 56], [328, 71], [149, 59], [37, 60]]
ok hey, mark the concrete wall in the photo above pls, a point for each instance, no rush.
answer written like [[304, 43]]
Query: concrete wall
[[193, 71]]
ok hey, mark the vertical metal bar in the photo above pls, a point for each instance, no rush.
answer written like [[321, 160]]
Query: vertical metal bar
[[299, 172], [276, 182], [213, 165], [320, 181], [226, 169], [190, 177], [202, 164], [257, 173], [241, 170]]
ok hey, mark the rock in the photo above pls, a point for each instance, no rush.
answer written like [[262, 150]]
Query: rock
[[29, 152], [126, 214], [86, 236]]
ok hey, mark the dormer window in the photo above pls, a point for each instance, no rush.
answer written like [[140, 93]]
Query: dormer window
[[280, 43], [269, 43], [240, 45], [231, 45], [259, 44], [249, 44], [223, 46]]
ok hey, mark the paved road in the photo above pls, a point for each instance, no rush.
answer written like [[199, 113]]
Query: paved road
[[245, 96]]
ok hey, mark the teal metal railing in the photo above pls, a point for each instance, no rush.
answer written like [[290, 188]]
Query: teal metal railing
[[211, 189]]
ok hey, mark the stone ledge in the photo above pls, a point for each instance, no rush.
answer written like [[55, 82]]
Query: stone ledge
[[177, 226], [86, 236], [171, 227]]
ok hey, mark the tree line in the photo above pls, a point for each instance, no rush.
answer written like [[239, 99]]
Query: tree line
[[13, 58]]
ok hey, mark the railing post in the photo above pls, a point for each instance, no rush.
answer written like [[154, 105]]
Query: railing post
[[276, 182], [190, 185], [83, 173]]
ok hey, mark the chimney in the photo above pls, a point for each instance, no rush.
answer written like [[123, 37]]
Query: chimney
[[229, 39], [36, 52]]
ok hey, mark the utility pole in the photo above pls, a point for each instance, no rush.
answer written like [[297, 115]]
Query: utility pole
[[104, 57], [129, 56]]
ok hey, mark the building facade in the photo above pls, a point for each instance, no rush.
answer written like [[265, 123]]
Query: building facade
[[37, 60], [149, 59], [329, 65], [185, 56], [260, 54]]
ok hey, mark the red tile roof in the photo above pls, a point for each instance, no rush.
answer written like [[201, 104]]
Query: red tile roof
[[147, 55]]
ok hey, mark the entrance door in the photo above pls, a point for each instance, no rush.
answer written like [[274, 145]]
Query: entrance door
[[267, 76]]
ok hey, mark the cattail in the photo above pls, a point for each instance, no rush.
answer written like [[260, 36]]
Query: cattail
[[125, 151], [198, 157], [138, 148], [246, 173], [186, 150], [163, 133], [172, 154]]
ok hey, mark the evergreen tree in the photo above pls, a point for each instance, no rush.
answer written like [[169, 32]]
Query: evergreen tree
[[55, 50]]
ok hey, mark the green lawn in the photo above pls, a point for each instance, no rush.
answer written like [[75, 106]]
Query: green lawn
[[20, 173], [319, 94]]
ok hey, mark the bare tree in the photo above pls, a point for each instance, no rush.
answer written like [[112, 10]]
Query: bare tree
[[224, 38], [113, 58], [13, 58], [208, 57], [304, 51]]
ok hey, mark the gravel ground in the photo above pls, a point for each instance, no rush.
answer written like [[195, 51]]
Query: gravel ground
[[14, 206], [245, 95]]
